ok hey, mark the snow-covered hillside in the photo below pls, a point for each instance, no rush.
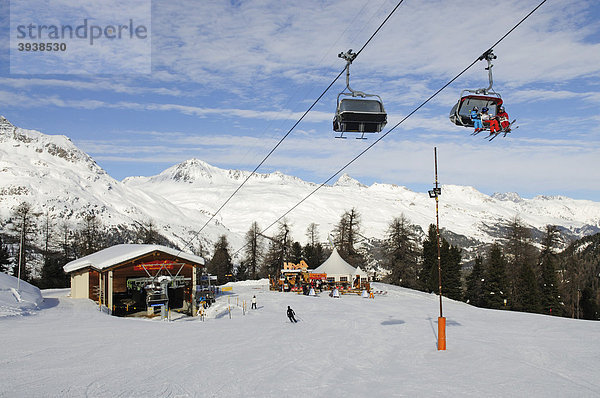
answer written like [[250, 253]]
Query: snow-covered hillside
[[347, 347], [59, 179], [265, 197]]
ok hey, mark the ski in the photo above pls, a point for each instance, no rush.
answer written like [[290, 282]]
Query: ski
[[506, 130]]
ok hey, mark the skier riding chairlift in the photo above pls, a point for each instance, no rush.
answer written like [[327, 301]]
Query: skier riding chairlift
[[461, 112]]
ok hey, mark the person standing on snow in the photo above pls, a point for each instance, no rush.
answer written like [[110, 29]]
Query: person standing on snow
[[290, 314], [254, 302]]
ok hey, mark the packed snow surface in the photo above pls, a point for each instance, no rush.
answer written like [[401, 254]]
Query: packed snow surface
[[346, 347], [18, 298]]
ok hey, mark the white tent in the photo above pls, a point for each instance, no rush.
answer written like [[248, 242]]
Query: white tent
[[338, 270]]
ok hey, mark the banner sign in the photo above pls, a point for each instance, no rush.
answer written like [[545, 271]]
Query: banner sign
[[155, 265], [317, 276]]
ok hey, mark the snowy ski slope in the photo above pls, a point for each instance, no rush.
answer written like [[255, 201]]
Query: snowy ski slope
[[348, 347]]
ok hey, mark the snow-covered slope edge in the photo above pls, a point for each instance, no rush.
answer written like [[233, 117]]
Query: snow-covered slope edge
[[18, 298]]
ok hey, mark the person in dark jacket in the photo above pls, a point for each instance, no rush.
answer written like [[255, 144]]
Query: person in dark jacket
[[290, 314]]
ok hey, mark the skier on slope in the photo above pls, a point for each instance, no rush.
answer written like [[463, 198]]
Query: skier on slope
[[254, 302], [290, 314]]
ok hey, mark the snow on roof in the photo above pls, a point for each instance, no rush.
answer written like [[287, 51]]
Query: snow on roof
[[120, 253], [336, 265]]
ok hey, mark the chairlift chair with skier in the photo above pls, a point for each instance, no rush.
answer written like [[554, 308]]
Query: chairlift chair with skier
[[361, 113], [480, 98]]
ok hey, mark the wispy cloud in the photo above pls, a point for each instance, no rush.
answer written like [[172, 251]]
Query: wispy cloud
[[230, 78]]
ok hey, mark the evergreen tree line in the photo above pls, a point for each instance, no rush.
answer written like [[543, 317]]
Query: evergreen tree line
[[39, 246], [512, 275]]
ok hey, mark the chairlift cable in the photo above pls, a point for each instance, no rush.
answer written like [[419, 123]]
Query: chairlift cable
[[395, 126], [288, 133]]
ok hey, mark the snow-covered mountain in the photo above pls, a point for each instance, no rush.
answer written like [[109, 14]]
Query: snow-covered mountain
[[463, 210], [60, 180], [56, 177]]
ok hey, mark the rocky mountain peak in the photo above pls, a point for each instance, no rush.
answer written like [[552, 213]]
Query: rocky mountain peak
[[191, 170], [346, 181], [508, 196], [6, 126]]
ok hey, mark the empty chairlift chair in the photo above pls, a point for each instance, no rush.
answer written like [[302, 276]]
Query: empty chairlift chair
[[361, 113], [359, 116]]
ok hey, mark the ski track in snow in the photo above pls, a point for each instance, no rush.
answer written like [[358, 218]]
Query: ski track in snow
[[352, 347]]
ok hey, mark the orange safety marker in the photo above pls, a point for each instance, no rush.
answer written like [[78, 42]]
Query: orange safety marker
[[441, 333]]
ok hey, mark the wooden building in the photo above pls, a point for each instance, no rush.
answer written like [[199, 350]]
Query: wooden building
[[134, 278]]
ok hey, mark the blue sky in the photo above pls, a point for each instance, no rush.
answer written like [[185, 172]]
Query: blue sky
[[229, 78]]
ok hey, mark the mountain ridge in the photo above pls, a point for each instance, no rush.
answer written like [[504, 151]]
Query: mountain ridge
[[65, 182]]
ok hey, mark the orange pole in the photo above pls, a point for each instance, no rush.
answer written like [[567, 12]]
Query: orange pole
[[441, 334]]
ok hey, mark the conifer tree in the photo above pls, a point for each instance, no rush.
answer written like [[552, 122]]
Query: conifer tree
[[23, 225], [253, 251], [588, 306], [241, 272], [550, 300], [494, 284], [4, 259], [520, 255], [450, 258], [147, 233], [346, 234], [91, 236], [277, 252], [314, 253], [53, 275], [527, 297], [296, 253], [402, 252], [451, 271], [474, 292], [428, 276], [220, 264]]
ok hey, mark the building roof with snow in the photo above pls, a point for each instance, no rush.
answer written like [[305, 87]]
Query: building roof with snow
[[117, 254]]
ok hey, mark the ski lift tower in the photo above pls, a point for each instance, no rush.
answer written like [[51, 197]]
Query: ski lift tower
[[435, 194]]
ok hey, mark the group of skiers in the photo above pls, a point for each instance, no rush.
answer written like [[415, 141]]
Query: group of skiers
[[497, 123]]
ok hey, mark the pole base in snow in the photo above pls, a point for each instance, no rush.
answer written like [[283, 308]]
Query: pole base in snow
[[441, 334]]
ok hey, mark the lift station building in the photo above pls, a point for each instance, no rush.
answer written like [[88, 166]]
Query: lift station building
[[132, 279]]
